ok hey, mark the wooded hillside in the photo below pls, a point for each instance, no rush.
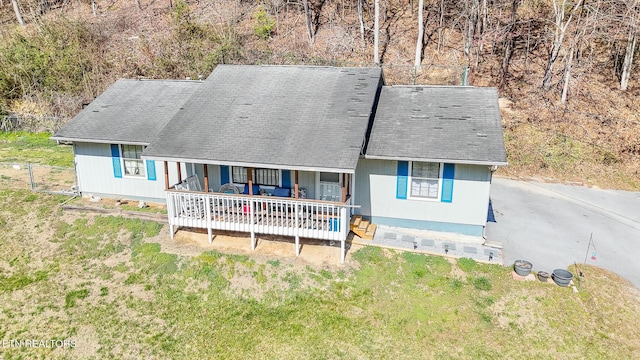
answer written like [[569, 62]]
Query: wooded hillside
[[564, 68]]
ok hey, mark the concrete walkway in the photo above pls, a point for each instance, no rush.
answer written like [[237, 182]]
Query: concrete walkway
[[550, 225], [433, 242]]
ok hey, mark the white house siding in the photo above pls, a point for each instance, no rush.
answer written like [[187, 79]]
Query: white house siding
[[95, 176], [307, 181], [375, 192]]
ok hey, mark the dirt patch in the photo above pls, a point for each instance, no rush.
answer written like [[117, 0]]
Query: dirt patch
[[315, 253]]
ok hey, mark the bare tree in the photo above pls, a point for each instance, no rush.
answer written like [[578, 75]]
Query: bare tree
[[420, 41], [509, 42], [561, 24], [139, 4], [631, 18], [628, 58], [308, 21], [361, 21], [16, 9], [472, 20], [376, 33]]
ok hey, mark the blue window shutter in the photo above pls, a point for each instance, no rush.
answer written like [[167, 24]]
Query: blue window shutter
[[402, 180], [115, 160], [286, 178], [447, 182], [224, 174], [151, 170]]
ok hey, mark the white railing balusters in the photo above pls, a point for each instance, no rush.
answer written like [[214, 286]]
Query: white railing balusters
[[258, 214]]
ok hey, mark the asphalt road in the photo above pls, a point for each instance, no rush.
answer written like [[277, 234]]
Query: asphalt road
[[550, 226]]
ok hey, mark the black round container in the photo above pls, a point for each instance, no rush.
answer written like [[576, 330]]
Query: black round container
[[543, 276], [522, 267], [562, 277]]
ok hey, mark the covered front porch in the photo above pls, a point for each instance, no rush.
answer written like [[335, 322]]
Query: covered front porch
[[276, 208]]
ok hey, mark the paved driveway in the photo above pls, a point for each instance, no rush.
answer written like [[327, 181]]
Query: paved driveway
[[550, 225]]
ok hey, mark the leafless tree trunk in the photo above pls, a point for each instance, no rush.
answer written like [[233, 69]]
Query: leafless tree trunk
[[509, 43], [560, 28], [420, 41], [628, 59], [472, 20], [361, 20], [376, 33], [16, 9], [139, 4], [440, 26], [94, 6], [567, 75], [308, 21]]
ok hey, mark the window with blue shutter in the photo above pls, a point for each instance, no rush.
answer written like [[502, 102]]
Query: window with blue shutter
[[402, 180], [448, 174], [115, 160], [151, 170]]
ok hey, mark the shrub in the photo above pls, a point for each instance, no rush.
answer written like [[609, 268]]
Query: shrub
[[265, 24], [467, 264], [482, 283]]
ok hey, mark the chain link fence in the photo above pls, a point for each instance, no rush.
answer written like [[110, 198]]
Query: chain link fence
[[30, 123], [40, 178]]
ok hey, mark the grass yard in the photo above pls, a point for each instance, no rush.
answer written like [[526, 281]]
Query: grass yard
[[107, 284], [23, 147]]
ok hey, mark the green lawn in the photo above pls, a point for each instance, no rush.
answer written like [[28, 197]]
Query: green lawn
[[106, 283], [22, 147]]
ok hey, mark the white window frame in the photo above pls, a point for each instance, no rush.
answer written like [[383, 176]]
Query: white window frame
[[231, 180], [123, 159], [410, 183]]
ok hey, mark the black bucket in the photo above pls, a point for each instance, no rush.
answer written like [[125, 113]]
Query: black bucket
[[543, 276], [562, 277]]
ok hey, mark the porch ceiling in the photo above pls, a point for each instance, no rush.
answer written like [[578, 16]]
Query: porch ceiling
[[289, 117]]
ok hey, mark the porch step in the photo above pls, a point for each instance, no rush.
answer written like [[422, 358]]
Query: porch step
[[371, 230], [363, 225], [363, 228], [355, 220]]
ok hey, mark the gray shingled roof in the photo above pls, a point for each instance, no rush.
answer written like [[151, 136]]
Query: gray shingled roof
[[431, 123], [129, 111], [298, 117]]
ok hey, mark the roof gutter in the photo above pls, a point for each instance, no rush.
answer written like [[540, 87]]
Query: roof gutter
[[98, 141], [450, 161], [249, 164]]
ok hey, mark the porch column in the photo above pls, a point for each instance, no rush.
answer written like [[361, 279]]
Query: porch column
[[349, 184], [344, 189], [206, 177], [250, 180], [295, 187], [166, 175], [179, 172]]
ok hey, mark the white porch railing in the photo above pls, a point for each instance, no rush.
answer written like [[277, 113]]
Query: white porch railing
[[259, 214]]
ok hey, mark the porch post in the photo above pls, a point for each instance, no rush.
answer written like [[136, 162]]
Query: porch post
[[166, 175], [296, 222], [344, 189], [179, 172], [250, 180], [295, 187], [206, 177], [349, 184]]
